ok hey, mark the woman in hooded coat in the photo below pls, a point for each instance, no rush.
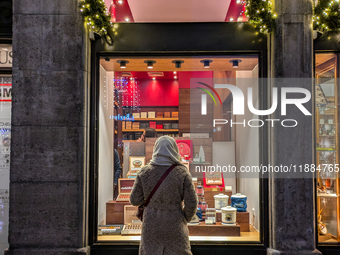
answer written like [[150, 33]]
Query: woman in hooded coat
[[165, 221]]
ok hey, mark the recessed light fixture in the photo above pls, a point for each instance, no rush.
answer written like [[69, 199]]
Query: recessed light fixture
[[122, 63], [178, 63], [231, 19], [235, 62], [206, 63], [154, 78], [150, 63], [175, 72], [127, 19], [107, 59], [175, 77], [120, 1]]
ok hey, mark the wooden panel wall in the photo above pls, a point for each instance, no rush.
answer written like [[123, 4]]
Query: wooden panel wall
[[190, 118]]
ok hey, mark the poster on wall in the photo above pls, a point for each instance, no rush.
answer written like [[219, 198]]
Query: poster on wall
[[136, 163]]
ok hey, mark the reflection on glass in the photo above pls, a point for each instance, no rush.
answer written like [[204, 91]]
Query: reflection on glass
[[135, 99], [5, 143], [327, 162]]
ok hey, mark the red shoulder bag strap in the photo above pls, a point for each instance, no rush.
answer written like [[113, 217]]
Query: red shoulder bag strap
[[158, 184]]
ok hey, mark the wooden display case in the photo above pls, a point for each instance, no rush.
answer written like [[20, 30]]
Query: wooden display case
[[124, 189], [327, 147]]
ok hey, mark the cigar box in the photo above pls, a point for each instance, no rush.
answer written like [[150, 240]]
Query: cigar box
[[167, 125], [124, 189], [128, 124], [135, 125], [167, 114], [174, 125], [123, 197], [132, 229], [144, 115], [125, 185], [136, 115], [159, 114], [143, 125], [152, 124], [152, 115], [174, 114], [130, 215], [159, 126], [110, 229]]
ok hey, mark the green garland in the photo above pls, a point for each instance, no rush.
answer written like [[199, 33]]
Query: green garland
[[96, 15], [259, 13], [327, 16]]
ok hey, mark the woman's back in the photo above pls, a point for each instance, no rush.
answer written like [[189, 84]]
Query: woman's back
[[164, 229]]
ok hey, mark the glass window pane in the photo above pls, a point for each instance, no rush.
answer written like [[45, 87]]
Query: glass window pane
[[5, 145], [142, 99], [327, 147]]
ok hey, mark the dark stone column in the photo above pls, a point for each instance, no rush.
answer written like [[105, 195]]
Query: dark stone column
[[48, 195], [291, 205]]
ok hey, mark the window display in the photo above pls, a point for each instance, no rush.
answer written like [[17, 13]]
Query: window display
[[5, 144], [327, 152], [164, 100]]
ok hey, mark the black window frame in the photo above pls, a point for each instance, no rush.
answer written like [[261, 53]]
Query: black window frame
[[151, 39]]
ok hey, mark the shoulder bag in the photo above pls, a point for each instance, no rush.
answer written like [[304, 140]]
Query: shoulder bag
[[140, 209]]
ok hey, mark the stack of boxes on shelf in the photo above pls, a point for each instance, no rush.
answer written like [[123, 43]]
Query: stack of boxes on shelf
[[143, 120]]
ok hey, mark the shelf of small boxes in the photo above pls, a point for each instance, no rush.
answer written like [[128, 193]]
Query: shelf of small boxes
[[138, 125]]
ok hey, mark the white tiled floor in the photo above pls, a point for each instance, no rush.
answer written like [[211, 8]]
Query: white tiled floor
[[4, 209]]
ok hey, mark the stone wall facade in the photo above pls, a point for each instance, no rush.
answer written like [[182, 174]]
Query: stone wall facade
[[48, 178], [50, 131]]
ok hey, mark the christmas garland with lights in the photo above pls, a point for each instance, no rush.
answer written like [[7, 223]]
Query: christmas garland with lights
[[259, 13], [97, 17], [327, 16]]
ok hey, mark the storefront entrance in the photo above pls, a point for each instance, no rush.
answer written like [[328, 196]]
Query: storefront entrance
[[137, 90]]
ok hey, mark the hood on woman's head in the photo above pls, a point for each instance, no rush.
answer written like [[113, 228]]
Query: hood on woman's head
[[167, 142], [165, 151]]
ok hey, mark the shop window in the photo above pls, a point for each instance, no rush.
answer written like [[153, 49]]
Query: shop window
[[5, 138], [327, 147], [163, 93], [176, 11]]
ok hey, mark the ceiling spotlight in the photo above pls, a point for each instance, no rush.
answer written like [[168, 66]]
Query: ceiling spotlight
[[175, 72], [235, 62], [107, 59], [154, 78], [175, 77], [150, 63], [122, 63], [178, 63], [206, 63]]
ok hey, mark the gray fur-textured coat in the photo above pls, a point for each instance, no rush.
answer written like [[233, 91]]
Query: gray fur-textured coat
[[165, 228]]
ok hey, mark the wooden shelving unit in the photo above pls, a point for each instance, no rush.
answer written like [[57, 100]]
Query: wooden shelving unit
[[158, 130], [154, 119]]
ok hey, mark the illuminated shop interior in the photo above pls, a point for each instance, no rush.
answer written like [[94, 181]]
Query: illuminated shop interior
[[162, 92], [327, 148]]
